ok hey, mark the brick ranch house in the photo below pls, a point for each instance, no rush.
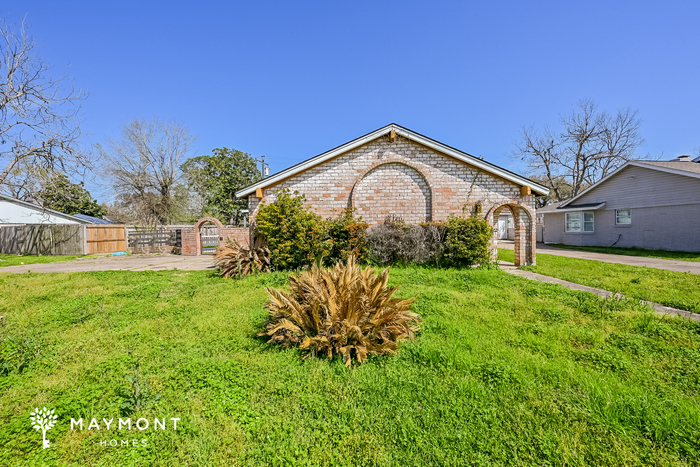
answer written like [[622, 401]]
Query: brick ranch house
[[394, 170]]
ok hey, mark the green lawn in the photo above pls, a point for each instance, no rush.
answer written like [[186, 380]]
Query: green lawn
[[505, 371], [664, 254], [16, 260], [670, 288]]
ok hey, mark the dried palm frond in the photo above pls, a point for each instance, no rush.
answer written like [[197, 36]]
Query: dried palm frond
[[345, 310], [235, 260]]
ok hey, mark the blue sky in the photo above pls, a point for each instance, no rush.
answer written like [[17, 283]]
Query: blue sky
[[293, 79]]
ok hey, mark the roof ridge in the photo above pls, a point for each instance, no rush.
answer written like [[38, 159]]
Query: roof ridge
[[414, 136]]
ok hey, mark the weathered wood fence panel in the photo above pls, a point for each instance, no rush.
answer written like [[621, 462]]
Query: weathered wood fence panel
[[160, 240], [103, 238], [42, 239]]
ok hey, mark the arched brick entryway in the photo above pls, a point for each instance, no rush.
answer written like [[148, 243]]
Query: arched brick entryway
[[198, 235], [524, 230]]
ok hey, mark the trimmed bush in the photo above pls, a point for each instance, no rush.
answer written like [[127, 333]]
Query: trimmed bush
[[295, 236], [347, 235], [468, 240]]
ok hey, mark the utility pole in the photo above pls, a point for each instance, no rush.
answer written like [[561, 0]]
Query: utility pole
[[265, 166]]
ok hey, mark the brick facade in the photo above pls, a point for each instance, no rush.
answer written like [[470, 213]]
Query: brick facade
[[407, 179]]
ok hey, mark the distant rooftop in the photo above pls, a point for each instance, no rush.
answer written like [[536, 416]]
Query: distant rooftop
[[93, 220], [684, 165]]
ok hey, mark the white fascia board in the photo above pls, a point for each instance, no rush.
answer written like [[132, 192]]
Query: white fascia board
[[586, 208], [408, 134], [471, 160], [279, 176]]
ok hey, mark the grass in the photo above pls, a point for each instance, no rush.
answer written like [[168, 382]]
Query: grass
[[505, 371], [16, 260], [670, 288], [633, 251]]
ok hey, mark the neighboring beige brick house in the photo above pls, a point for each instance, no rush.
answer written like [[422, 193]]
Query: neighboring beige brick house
[[394, 170]]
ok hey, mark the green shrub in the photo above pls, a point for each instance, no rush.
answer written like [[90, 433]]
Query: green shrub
[[347, 235], [468, 240], [295, 236]]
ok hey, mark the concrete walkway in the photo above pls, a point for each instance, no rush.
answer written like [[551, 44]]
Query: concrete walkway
[[120, 263], [666, 310], [656, 263]]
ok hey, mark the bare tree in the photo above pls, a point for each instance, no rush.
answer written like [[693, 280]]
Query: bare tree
[[39, 126], [588, 147], [144, 166]]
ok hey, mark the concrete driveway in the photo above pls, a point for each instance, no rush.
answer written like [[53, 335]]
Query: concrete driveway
[[120, 263], [656, 263]]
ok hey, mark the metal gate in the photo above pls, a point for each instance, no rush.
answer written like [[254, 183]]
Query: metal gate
[[209, 244], [210, 240]]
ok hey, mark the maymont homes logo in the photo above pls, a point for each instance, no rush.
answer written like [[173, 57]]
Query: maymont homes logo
[[43, 420], [46, 419]]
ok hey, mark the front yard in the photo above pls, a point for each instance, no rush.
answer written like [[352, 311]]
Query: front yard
[[632, 251], [15, 260], [505, 371], [670, 288]]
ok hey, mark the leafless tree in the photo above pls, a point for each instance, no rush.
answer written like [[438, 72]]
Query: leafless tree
[[144, 166], [589, 146], [39, 124]]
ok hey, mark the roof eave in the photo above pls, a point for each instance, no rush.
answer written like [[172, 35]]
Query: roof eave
[[583, 208], [43, 209], [408, 134], [670, 170]]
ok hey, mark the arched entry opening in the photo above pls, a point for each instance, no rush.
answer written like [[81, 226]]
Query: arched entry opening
[[523, 233], [208, 234]]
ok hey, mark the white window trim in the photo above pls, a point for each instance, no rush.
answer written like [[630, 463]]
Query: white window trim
[[582, 222], [619, 223]]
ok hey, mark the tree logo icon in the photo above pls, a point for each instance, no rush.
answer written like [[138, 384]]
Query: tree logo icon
[[43, 420]]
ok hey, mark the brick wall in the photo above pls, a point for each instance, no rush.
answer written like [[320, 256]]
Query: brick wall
[[189, 241], [191, 246], [349, 179], [405, 179], [393, 188], [240, 234]]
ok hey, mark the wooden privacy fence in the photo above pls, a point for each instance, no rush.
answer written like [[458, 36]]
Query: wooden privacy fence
[[61, 240], [105, 238], [154, 241], [42, 239]]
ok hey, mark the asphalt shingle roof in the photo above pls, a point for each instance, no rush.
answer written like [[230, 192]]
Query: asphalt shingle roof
[[686, 166]]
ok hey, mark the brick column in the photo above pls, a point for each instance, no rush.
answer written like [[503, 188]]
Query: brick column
[[189, 241]]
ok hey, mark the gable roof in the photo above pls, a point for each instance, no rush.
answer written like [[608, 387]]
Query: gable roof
[[685, 168], [43, 209], [682, 166], [408, 134]]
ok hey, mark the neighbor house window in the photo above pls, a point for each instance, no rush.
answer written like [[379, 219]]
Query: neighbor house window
[[623, 216], [579, 221]]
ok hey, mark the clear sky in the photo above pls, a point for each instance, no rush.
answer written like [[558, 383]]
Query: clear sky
[[291, 80]]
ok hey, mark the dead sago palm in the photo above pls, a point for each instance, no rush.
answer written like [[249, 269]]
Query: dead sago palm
[[345, 310], [235, 260]]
